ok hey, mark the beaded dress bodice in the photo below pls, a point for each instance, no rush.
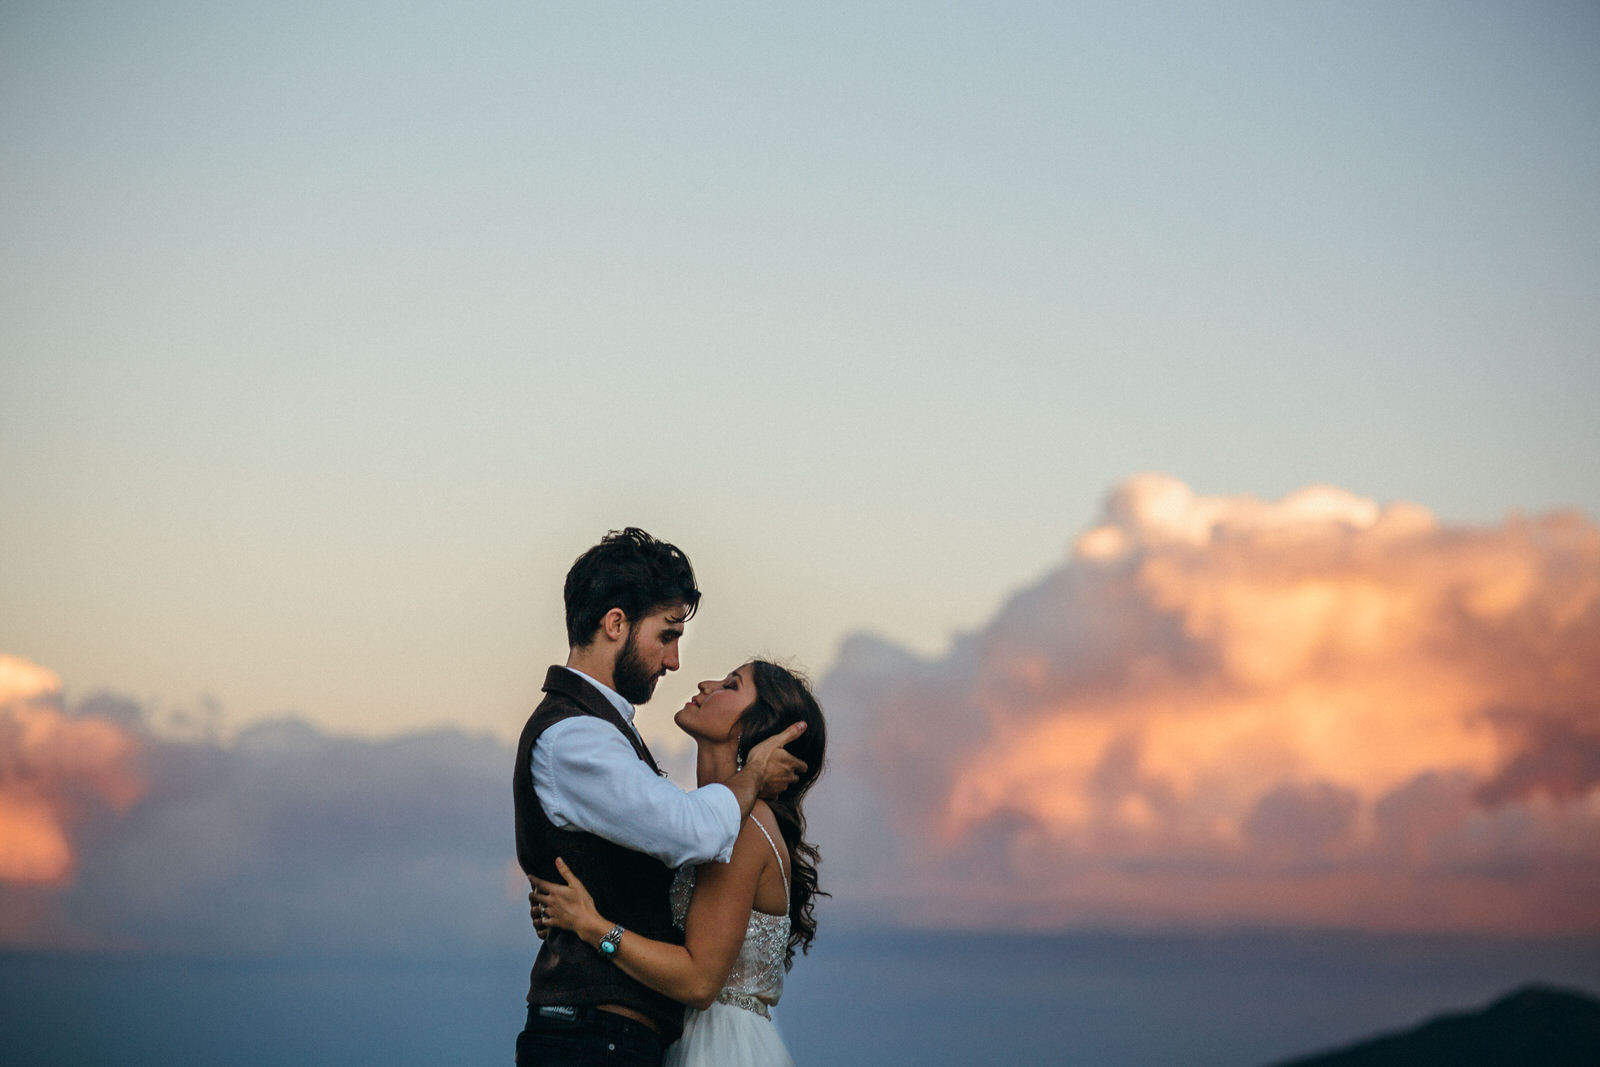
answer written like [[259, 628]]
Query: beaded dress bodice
[[756, 981]]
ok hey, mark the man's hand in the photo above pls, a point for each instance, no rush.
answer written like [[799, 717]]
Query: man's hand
[[776, 769]]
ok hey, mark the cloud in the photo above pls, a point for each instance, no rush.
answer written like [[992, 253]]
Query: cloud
[[1226, 709], [286, 839], [56, 773]]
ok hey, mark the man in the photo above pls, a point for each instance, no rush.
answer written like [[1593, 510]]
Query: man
[[587, 790]]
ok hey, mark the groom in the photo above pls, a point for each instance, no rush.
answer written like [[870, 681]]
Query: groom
[[587, 790]]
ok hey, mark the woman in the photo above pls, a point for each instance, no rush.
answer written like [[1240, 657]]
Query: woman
[[742, 920]]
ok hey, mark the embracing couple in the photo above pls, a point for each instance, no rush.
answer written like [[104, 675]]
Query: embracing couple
[[650, 898]]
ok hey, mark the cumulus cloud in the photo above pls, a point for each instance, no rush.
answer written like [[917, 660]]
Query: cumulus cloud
[[286, 839], [1227, 709], [56, 774]]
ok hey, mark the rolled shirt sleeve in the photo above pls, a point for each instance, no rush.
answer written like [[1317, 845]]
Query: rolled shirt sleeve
[[589, 778]]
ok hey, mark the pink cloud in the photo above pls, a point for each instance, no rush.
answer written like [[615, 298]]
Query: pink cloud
[[282, 839], [55, 771], [1226, 709]]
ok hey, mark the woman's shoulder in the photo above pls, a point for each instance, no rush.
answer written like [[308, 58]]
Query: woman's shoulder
[[762, 813], [759, 827], [763, 833]]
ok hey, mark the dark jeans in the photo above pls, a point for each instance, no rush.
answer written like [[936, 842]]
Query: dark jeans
[[585, 1037]]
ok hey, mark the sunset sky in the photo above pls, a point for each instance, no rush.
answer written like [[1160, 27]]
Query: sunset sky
[[1168, 431]]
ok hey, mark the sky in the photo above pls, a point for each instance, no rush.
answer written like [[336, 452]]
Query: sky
[[328, 340]]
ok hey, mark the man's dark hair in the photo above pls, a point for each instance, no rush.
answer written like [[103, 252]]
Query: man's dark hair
[[630, 570]]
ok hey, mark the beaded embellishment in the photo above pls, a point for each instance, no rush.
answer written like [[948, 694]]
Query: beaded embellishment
[[747, 1001], [756, 981]]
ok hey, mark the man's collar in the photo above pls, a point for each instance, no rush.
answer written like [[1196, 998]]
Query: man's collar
[[624, 708]]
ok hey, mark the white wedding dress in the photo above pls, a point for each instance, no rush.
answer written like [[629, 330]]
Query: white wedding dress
[[737, 1028]]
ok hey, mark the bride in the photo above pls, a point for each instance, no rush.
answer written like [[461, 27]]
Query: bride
[[741, 920]]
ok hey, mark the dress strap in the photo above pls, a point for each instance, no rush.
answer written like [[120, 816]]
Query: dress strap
[[776, 853]]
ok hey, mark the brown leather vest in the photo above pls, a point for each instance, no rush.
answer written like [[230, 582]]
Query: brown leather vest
[[628, 887]]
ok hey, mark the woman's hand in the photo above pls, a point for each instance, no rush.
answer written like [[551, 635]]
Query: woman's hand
[[565, 906]]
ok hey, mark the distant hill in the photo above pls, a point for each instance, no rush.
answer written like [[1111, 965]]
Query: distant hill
[[1532, 1027]]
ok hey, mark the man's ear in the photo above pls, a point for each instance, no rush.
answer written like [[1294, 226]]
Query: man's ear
[[614, 624]]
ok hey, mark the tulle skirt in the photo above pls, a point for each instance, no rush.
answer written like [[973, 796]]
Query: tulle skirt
[[724, 1035]]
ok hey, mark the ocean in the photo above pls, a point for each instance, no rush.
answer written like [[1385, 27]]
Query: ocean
[[1240, 999]]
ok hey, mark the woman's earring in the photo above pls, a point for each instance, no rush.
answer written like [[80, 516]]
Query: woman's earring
[[738, 761]]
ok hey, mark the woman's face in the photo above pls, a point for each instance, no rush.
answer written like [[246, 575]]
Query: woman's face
[[714, 712]]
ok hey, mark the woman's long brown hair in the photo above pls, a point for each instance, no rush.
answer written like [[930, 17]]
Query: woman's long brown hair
[[783, 698]]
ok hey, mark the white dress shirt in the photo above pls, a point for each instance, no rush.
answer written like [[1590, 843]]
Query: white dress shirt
[[588, 777]]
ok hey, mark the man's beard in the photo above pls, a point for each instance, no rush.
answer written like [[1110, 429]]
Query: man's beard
[[633, 681]]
